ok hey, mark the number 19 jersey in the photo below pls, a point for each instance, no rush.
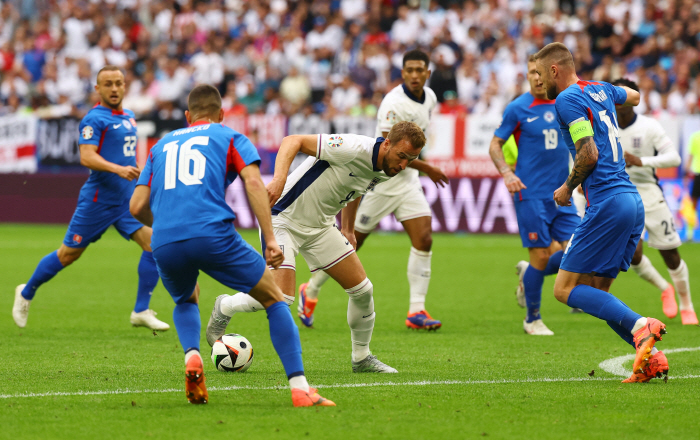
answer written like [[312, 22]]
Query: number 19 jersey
[[543, 159], [188, 171]]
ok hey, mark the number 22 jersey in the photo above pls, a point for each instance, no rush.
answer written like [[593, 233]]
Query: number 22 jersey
[[543, 160], [188, 171]]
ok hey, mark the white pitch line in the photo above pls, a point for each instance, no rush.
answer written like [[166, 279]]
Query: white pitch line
[[615, 365], [337, 385]]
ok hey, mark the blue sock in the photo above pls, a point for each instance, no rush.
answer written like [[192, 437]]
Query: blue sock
[[553, 263], [148, 280], [188, 325], [285, 338], [621, 332], [603, 305], [47, 268], [532, 281]]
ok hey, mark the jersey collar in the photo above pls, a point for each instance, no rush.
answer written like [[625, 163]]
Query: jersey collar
[[114, 112], [375, 153], [201, 123], [411, 96]]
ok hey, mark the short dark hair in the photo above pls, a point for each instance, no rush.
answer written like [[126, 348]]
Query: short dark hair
[[555, 53], [109, 68], [627, 83], [204, 100], [416, 55]]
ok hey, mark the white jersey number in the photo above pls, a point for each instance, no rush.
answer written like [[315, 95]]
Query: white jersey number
[[129, 146], [551, 138], [180, 164], [613, 133]]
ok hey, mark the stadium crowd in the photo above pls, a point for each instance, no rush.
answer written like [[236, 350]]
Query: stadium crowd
[[338, 56]]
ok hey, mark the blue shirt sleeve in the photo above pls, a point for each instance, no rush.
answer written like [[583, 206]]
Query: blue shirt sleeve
[[147, 172], [90, 130], [509, 122], [619, 95], [242, 153], [571, 108]]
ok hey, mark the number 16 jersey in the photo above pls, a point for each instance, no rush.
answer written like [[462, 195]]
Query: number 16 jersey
[[188, 171], [543, 160]]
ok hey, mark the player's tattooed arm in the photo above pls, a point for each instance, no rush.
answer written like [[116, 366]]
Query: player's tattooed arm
[[586, 159], [513, 182]]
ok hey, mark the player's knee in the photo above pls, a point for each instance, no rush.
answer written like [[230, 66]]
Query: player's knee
[[67, 258], [424, 242], [561, 292], [539, 257], [672, 258]]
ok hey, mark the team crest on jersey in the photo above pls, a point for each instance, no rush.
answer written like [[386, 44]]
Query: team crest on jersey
[[636, 143], [391, 117], [548, 116], [335, 141], [87, 132], [373, 183], [127, 124], [77, 238], [532, 236]]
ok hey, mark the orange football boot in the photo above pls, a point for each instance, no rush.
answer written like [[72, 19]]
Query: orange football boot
[[306, 307], [301, 398], [688, 317], [644, 340], [668, 300], [657, 367], [195, 389]]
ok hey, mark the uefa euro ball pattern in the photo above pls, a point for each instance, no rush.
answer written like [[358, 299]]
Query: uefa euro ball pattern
[[232, 352]]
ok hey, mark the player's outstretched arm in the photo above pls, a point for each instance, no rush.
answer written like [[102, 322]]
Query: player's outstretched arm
[[347, 221], [257, 196], [633, 96], [438, 177], [586, 159], [290, 147], [513, 182], [89, 157], [140, 205]]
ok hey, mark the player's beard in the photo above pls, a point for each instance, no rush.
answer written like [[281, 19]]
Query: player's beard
[[551, 91]]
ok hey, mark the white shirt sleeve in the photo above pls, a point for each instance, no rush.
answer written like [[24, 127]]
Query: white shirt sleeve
[[338, 149], [667, 154], [388, 115]]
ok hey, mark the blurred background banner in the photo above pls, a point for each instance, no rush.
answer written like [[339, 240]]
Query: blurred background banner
[[17, 144]]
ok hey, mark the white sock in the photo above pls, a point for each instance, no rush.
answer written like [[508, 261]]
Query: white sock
[[681, 279], [641, 322], [240, 302], [191, 353], [299, 382], [654, 350], [361, 318], [648, 272], [288, 299], [418, 278], [317, 280]]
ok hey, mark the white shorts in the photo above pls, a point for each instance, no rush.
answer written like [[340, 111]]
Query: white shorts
[[658, 222], [321, 247], [374, 207]]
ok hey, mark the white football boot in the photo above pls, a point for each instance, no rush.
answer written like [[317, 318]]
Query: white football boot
[[536, 328], [520, 269], [20, 310], [147, 318], [371, 364]]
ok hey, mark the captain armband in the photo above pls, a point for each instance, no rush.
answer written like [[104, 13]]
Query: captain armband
[[580, 130]]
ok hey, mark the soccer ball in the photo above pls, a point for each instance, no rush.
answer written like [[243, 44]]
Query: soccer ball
[[232, 352]]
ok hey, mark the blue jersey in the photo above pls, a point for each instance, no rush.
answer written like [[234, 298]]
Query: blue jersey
[[543, 159], [114, 135], [595, 102], [188, 171]]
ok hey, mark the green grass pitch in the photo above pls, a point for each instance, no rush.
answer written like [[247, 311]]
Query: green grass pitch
[[79, 370]]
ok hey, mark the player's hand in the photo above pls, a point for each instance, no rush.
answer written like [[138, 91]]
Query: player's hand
[[274, 191], [273, 254], [562, 196], [438, 177], [513, 182], [350, 237], [129, 173], [632, 161]]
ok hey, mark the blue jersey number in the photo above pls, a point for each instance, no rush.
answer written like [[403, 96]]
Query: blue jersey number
[[178, 159], [129, 146]]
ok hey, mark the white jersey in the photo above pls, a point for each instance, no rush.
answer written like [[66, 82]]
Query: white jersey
[[401, 105], [645, 138], [344, 168]]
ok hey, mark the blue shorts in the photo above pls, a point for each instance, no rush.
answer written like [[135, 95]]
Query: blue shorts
[[541, 220], [605, 241], [91, 220], [228, 259]]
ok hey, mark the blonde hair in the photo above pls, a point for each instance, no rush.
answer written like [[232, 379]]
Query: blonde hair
[[409, 131], [556, 54]]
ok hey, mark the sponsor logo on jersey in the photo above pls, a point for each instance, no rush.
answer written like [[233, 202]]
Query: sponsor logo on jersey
[[335, 141], [87, 132], [115, 126], [532, 119], [548, 116], [127, 125], [598, 96], [532, 236], [77, 238]]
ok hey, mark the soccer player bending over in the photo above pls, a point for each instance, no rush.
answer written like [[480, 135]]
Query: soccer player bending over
[[604, 242], [646, 148], [108, 148], [340, 169], [181, 193]]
